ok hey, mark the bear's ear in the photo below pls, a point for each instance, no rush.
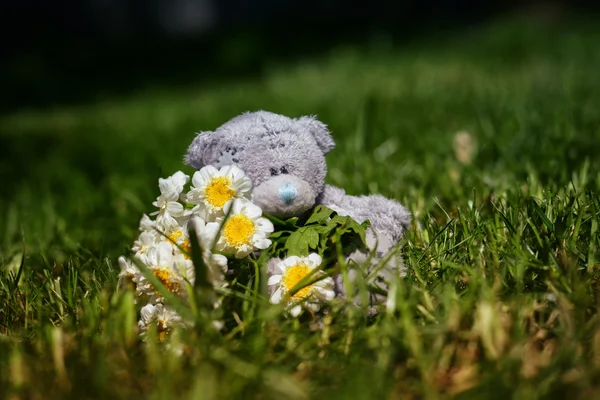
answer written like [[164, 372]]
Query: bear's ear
[[319, 131], [201, 151]]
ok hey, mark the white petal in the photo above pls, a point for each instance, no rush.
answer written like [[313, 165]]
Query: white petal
[[243, 252], [226, 170], [123, 263], [274, 279], [172, 195], [282, 267], [164, 185], [148, 238], [323, 286], [169, 189], [184, 222], [296, 310], [252, 211], [226, 208], [262, 244], [220, 260], [142, 326], [194, 196], [233, 171], [146, 224], [150, 258], [198, 224], [201, 212], [147, 313], [328, 282], [221, 245], [208, 236], [264, 225], [165, 252], [165, 222], [327, 295], [180, 178], [202, 178], [244, 187], [315, 259], [276, 298], [313, 306], [176, 209], [291, 261], [237, 205]]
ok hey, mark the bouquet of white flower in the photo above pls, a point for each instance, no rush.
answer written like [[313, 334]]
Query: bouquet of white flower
[[216, 217]]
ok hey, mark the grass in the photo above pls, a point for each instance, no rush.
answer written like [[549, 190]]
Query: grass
[[502, 292]]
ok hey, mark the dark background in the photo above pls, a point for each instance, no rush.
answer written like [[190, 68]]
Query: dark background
[[64, 52]]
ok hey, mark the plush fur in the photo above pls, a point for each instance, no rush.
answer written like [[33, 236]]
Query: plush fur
[[285, 159]]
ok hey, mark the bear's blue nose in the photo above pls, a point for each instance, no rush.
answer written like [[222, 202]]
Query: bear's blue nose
[[287, 192]]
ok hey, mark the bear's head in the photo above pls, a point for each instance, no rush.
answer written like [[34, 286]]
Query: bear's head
[[284, 158]]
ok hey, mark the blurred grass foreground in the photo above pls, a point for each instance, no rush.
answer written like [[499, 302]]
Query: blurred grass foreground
[[490, 137]]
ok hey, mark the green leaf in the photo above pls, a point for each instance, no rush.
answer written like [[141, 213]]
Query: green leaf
[[300, 241], [325, 230], [351, 225], [320, 232], [289, 223], [540, 213], [276, 235], [17, 278], [320, 215]]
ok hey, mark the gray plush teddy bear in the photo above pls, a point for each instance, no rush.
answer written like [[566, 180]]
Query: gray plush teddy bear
[[285, 159]]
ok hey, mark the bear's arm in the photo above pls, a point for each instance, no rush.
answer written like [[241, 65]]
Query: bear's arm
[[387, 216]]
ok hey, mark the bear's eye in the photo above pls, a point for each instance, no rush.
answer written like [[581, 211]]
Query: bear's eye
[[283, 170], [274, 172]]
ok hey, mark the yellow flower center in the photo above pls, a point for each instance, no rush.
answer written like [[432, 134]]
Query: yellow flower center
[[238, 230], [218, 191], [164, 275], [175, 235], [162, 331], [187, 248], [291, 278]]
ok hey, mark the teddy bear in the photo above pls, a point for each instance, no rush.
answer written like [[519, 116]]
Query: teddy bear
[[285, 160]]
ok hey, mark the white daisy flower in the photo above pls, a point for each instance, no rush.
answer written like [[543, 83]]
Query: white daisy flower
[[161, 316], [146, 240], [180, 242], [129, 270], [146, 224], [213, 190], [147, 316], [244, 231], [130, 273], [179, 239], [171, 269], [293, 270], [174, 184], [167, 202], [217, 263]]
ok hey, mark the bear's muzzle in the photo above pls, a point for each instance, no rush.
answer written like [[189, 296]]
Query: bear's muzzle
[[284, 196]]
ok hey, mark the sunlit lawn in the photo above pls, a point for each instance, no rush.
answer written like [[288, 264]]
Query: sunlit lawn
[[490, 137]]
